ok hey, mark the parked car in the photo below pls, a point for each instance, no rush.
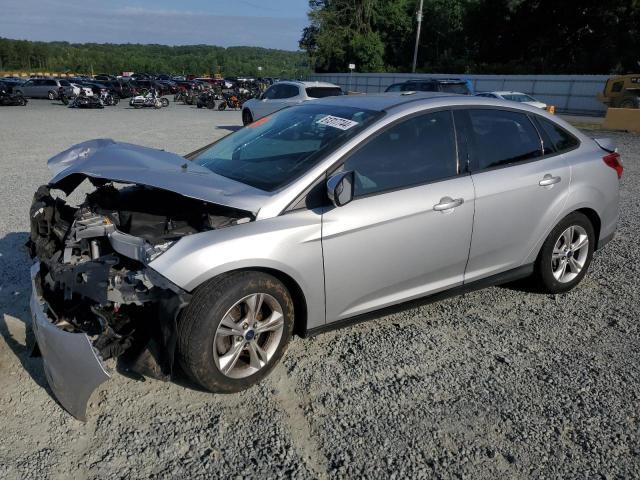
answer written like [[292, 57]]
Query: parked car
[[515, 97], [44, 88], [8, 98], [446, 85], [285, 94], [11, 82], [308, 220]]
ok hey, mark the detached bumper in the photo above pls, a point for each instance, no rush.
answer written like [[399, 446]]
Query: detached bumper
[[71, 365]]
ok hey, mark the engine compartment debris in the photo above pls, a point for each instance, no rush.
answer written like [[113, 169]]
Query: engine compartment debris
[[94, 274]]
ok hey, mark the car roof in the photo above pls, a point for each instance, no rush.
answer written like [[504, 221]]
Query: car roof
[[382, 101], [309, 84], [508, 92]]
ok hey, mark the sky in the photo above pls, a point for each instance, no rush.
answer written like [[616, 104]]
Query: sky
[[261, 23]]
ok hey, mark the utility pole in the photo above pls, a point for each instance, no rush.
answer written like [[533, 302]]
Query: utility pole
[[415, 50]]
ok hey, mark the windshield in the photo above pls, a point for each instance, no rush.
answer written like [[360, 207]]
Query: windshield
[[275, 150], [518, 97]]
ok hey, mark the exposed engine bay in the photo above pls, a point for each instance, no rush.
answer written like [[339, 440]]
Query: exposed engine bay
[[94, 273]]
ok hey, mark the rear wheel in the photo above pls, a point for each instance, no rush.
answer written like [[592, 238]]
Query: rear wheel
[[566, 254], [247, 118], [22, 101], [52, 95], [630, 103], [235, 330]]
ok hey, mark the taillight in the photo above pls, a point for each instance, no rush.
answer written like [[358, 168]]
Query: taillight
[[613, 160]]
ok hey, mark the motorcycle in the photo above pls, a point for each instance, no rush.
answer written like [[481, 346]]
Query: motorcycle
[[109, 98], [148, 100], [208, 99], [83, 101], [233, 100], [12, 99]]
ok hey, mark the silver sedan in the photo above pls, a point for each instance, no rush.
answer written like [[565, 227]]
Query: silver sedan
[[311, 218]]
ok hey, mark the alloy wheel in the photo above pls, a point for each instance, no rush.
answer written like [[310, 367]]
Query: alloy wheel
[[570, 253], [248, 335]]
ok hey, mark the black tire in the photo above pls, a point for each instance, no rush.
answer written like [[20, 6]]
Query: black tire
[[630, 103], [247, 118], [200, 320], [543, 273], [22, 101], [52, 95], [222, 106]]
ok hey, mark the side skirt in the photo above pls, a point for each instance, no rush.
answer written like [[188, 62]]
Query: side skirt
[[498, 279]]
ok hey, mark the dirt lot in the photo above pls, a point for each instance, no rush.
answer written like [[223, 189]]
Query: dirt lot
[[495, 384]]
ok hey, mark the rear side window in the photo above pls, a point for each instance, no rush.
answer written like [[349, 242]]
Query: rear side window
[[501, 137], [418, 150], [321, 92], [558, 136]]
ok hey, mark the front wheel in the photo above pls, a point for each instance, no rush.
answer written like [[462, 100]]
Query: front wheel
[[52, 95], [247, 118], [566, 254], [164, 102], [235, 330]]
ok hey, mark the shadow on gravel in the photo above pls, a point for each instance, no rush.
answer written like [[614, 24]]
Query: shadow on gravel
[[14, 301], [231, 128]]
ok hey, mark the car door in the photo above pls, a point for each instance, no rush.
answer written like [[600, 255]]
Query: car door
[[519, 191], [408, 229], [28, 88], [260, 107]]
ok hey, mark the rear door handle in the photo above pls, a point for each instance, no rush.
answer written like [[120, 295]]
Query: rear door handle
[[447, 203], [549, 180]]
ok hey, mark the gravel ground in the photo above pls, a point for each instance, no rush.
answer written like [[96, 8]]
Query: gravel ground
[[494, 384]]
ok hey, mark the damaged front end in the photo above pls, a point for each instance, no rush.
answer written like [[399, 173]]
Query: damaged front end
[[94, 296]]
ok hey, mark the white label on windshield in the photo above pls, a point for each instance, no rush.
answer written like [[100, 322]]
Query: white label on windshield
[[337, 122]]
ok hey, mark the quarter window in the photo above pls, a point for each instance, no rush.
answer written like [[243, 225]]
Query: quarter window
[[559, 137], [502, 137], [419, 150]]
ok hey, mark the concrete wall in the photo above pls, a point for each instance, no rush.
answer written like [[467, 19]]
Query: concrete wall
[[573, 94]]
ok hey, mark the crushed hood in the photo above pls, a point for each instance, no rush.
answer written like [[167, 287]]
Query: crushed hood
[[127, 163]]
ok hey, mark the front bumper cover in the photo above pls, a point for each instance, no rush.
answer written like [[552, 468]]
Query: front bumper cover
[[71, 364]]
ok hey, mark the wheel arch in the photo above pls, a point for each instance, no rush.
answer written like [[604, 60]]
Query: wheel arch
[[595, 220], [300, 308]]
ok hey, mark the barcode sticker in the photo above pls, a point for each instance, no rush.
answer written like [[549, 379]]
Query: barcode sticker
[[337, 122]]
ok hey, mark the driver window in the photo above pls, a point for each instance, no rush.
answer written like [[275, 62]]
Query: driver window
[[270, 92], [415, 151]]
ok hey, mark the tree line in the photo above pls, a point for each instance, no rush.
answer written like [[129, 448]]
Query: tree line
[[111, 58], [475, 36]]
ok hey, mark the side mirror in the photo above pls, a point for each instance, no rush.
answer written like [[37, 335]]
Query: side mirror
[[340, 188]]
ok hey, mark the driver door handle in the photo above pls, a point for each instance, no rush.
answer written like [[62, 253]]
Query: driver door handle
[[549, 180], [447, 203]]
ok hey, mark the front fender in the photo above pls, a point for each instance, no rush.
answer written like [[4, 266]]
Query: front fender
[[289, 243]]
